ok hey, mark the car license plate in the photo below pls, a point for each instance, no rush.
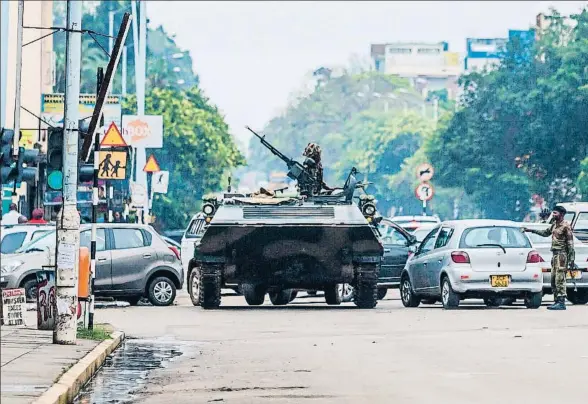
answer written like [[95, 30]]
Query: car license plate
[[499, 281], [573, 275]]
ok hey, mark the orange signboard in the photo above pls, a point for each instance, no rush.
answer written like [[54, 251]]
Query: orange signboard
[[152, 165]]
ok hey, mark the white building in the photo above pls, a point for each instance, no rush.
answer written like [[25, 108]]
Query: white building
[[429, 66]]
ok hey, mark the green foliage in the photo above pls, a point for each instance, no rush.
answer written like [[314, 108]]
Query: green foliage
[[358, 120], [198, 151], [522, 128], [160, 49]]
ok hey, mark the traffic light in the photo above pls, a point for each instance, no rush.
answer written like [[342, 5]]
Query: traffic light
[[85, 170], [55, 158], [27, 159], [8, 166]]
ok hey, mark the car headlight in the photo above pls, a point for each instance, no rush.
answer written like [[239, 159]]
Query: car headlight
[[11, 267]]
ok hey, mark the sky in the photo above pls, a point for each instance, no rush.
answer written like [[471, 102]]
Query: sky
[[251, 56]]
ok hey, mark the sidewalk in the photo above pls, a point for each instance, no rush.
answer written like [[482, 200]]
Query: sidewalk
[[31, 363]]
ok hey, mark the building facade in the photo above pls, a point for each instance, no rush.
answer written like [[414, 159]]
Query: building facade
[[429, 66]]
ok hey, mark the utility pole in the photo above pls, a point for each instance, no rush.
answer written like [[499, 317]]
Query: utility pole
[[4, 20], [124, 73], [99, 80], [68, 222], [19, 28]]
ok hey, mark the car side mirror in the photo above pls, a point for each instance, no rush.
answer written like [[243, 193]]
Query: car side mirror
[[413, 248]]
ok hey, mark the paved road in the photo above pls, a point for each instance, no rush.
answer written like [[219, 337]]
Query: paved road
[[308, 352]]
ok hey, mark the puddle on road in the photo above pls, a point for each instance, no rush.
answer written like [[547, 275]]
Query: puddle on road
[[127, 370]]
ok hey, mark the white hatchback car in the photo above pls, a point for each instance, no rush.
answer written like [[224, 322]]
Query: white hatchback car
[[473, 259], [14, 236]]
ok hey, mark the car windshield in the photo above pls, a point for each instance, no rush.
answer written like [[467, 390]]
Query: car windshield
[[487, 236], [41, 243], [582, 223]]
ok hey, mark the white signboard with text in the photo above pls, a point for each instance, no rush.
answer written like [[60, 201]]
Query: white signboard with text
[[145, 131]]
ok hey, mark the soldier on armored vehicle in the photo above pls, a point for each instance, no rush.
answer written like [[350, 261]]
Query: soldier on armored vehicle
[[280, 244]]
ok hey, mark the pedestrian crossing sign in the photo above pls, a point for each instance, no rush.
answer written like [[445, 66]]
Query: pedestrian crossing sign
[[113, 165], [152, 166], [113, 137]]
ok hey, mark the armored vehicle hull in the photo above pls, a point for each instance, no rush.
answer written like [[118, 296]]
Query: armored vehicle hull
[[279, 249]]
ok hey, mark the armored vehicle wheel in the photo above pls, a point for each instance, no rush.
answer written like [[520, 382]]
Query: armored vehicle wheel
[[194, 286], [365, 291], [333, 295], [281, 297], [382, 292], [210, 286], [254, 294], [293, 296]]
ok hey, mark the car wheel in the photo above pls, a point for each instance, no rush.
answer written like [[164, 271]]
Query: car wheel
[[162, 291], [449, 298], [280, 297], [492, 301], [429, 301], [382, 293], [334, 294], [30, 287], [195, 287], [578, 297], [533, 300], [407, 295], [254, 294]]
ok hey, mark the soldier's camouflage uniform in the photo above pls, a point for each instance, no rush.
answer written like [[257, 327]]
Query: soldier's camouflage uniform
[[313, 151], [562, 247]]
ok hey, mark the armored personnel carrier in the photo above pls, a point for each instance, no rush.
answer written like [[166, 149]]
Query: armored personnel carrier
[[277, 244]]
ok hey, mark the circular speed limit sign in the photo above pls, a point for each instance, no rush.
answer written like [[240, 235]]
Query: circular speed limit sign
[[424, 191]]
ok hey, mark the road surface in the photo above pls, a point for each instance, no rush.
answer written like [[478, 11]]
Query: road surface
[[308, 352]]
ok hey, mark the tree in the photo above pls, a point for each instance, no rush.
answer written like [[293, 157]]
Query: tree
[[162, 68], [521, 128], [198, 150]]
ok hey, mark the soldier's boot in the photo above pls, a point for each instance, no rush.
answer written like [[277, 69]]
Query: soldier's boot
[[559, 304]]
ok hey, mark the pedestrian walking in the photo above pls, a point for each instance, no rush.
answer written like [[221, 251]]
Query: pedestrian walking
[[562, 247], [22, 219], [37, 217], [118, 218], [12, 216]]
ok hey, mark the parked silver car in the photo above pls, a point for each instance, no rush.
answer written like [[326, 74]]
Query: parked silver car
[[132, 261], [481, 259], [576, 281]]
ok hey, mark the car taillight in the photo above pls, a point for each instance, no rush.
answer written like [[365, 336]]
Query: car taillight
[[460, 257], [176, 252], [534, 258]]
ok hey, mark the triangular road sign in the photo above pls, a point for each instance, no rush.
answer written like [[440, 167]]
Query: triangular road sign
[[152, 165], [113, 138]]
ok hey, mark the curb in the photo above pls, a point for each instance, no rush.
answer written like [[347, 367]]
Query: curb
[[72, 381]]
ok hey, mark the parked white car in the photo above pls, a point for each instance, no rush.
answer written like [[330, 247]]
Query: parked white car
[[14, 236], [576, 281], [192, 234], [473, 259]]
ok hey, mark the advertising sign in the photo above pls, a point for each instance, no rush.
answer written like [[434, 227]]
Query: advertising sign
[[13, 306], [486, 48], [144, 131], [52, 107]]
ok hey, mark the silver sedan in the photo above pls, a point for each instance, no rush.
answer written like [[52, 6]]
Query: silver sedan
[[473, 259]]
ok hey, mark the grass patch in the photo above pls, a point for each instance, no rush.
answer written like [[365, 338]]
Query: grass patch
[[99, 333]]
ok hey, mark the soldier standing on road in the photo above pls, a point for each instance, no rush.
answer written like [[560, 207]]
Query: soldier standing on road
[[313, 151], [562, 247]]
